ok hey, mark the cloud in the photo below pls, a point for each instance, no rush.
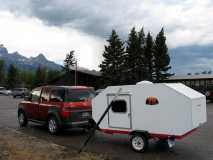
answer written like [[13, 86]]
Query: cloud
[[187, 24], [186, 21], [30, 37], [194, 58]]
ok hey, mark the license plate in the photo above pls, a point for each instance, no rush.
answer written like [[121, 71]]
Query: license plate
[[85, 114]]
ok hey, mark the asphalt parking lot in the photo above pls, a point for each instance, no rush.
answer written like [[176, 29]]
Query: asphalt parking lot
[[196, 146]]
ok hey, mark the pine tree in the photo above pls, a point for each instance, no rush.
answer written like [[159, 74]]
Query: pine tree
[[12, 76], [133, 57], [162, 59], [2, 72], [52, 74], [141, 56], [149, 58], [69, 61], [26, 78], [112, 64], [40, 76]]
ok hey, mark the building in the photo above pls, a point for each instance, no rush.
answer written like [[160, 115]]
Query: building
[[83, 77], [201, 82]]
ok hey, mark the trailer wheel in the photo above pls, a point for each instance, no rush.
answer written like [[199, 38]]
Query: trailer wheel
[[139, 143]]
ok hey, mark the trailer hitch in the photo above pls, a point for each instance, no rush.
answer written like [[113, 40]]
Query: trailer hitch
[[96, 126]]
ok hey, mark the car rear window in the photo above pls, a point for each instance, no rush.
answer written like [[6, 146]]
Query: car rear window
[[79, 95]]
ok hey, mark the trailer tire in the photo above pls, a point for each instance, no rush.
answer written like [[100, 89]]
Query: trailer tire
[[139, 142]]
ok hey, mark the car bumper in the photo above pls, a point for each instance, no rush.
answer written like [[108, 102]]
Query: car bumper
[[80, 124], [77, 120]]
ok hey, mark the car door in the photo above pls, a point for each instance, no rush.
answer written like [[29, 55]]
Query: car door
[[32, 107], [44, 104]]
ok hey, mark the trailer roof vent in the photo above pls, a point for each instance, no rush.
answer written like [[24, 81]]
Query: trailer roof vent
[[144, 82]]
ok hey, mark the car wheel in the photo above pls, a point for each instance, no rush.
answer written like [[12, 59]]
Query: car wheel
[[53, 126], [22, 119], [139, 143], [14, 96]]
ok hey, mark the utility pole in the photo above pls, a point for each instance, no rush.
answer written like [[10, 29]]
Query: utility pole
[[76, 67]]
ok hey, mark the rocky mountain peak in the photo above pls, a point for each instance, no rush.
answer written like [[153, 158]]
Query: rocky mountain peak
[[3, 50], [26, 63], [41, 56]]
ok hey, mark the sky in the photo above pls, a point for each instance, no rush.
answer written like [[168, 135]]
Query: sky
[[55, 27]]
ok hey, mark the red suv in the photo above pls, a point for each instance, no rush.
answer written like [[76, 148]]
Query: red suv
[[57, 106]]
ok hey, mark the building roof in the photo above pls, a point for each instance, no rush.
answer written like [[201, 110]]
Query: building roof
[[86, 71], [68, 87], [188, 77]]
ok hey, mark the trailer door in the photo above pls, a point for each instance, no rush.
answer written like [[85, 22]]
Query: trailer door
[[119, 115]]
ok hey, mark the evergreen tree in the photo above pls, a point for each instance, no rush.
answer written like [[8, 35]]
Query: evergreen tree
[[26, 78], [162, 59], [40, 76], [141, 57], [149, 58], [2, 72], [113, 62], [52, 74], [12, 77], [133, 57], [69, 61]]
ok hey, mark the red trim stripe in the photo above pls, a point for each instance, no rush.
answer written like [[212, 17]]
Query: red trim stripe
[[186, 134], [111, 131], [153, 135]]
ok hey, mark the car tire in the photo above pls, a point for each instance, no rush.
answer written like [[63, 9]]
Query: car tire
[[52, 125], [22, 119], [139, 142], [14, 96]]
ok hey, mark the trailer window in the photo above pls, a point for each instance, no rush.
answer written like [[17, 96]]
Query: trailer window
[[152, 101], [119, 106]]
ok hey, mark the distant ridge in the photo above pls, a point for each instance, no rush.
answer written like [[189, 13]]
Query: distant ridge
[[23, 62]]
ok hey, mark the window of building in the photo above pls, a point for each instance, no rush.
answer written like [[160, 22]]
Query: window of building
[[197, 83], [57, 95], [188, 83], [35, 95], [202, 83], [119, 106], [152, 101]]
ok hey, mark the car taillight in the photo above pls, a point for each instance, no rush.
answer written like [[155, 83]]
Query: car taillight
[[66, 112], [67, 109]]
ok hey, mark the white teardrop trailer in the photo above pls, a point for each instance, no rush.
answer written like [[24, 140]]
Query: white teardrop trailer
[[146, 110]]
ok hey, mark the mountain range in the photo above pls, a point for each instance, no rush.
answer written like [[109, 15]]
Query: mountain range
[[23, 62]]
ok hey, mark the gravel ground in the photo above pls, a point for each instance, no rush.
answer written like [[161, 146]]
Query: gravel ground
[[15, 145]]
